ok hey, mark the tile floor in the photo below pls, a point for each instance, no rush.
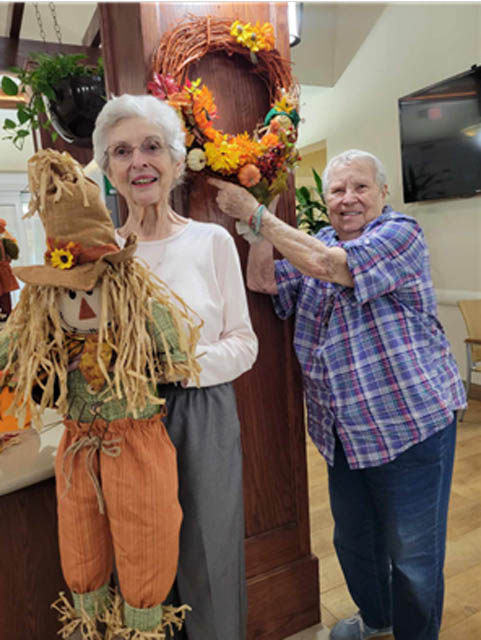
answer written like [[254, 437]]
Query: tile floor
[[319, 632]]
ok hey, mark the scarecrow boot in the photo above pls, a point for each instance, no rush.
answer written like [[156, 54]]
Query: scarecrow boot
[[82, 620], [128, 623]]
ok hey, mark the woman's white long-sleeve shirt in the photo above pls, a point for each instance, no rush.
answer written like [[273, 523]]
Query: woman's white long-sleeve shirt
[[200, 263]]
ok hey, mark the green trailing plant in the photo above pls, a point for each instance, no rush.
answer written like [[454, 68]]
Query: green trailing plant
[[42, 74], [311, 211]]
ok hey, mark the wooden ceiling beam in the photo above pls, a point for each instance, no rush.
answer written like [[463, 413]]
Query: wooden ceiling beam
[[16, 19], [92, 34], [15, 53]]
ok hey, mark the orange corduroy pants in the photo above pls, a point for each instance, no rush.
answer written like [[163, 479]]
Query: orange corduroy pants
[[134, 463]]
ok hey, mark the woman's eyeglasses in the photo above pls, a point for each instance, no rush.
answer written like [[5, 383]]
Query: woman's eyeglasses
[[122, 152]]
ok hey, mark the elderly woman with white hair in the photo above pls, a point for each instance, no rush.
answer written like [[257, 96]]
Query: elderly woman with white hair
[[139, 144], [382, 388]]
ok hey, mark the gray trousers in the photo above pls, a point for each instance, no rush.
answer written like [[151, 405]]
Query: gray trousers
[[204, 427]]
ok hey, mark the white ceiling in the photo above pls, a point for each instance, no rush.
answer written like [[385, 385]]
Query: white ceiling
[[73, 19]]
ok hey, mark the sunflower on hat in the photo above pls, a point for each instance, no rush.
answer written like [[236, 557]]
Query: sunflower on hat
[[62, 255]]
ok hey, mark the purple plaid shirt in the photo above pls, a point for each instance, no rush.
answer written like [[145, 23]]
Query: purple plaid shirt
[[376, 363]]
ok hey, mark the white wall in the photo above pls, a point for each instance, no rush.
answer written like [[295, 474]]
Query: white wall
[[409, 47], [331, 34], [11, 159]]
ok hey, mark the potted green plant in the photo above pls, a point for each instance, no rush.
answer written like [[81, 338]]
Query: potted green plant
[[68, 92], [311, 211]]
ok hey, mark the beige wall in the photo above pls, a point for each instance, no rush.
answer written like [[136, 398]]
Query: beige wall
[[315, 159], [409, 47]]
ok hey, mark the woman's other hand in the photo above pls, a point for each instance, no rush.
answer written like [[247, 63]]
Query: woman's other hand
[[234, 200]]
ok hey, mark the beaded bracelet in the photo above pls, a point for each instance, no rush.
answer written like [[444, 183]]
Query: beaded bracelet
[[255, 221]]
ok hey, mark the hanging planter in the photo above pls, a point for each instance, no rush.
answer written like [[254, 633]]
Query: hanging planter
[[78, 101], [70, 93]]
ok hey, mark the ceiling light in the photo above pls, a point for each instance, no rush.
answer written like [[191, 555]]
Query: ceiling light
[[294, 20]]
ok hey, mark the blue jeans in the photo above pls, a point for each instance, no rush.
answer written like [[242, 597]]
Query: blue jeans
[[390, 534]]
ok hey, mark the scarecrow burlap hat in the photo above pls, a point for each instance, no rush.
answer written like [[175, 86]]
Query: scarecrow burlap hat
[[79, 230]]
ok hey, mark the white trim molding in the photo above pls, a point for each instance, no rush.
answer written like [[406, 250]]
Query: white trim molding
[[450, 297], [10, 181]]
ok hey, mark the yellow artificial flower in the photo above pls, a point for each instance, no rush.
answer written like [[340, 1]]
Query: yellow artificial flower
[[193, 86], [222, 155], [236, 29], [240, 31], [255, 38], [283, 105], [249, 38], [62, 258]]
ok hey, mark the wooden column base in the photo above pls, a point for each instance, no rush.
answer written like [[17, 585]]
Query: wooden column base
[[286, 600]]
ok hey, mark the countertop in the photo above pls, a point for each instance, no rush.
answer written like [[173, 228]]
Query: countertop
[[32, 460]]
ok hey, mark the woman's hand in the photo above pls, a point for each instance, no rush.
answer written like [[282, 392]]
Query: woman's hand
[[233, 200]]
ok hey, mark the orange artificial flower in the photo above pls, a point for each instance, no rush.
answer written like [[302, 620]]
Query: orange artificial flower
[[249, 149], [210, 133], [269, 140], [266, 36], [178, 100], [204, 108]]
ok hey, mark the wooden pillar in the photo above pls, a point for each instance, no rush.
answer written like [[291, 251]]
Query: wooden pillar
[[30, 574], [282, 573]]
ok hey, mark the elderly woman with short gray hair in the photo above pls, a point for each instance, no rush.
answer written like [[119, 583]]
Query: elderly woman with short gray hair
[[139, 144], [382, 388]]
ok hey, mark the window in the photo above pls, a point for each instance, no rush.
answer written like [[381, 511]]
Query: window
[[29, 232]]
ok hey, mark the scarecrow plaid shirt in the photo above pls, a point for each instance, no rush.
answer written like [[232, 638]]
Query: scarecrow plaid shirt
[[376, 363]]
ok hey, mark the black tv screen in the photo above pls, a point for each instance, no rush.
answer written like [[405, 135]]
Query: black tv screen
[[441, 139]]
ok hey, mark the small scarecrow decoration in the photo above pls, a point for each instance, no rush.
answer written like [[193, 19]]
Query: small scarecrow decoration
[[92, 335], [8, 282]]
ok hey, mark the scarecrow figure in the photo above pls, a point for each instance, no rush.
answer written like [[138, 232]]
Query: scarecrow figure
[[92, 334], [8, 282]]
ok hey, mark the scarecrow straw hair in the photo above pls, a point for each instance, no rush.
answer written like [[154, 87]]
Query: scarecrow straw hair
[[52, 172], [196, 36], [37, 347]]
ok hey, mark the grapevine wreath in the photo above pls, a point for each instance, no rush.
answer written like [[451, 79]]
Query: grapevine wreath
[[259, 161]]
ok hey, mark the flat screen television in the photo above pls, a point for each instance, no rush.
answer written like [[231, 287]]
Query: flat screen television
[[441, 139]]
